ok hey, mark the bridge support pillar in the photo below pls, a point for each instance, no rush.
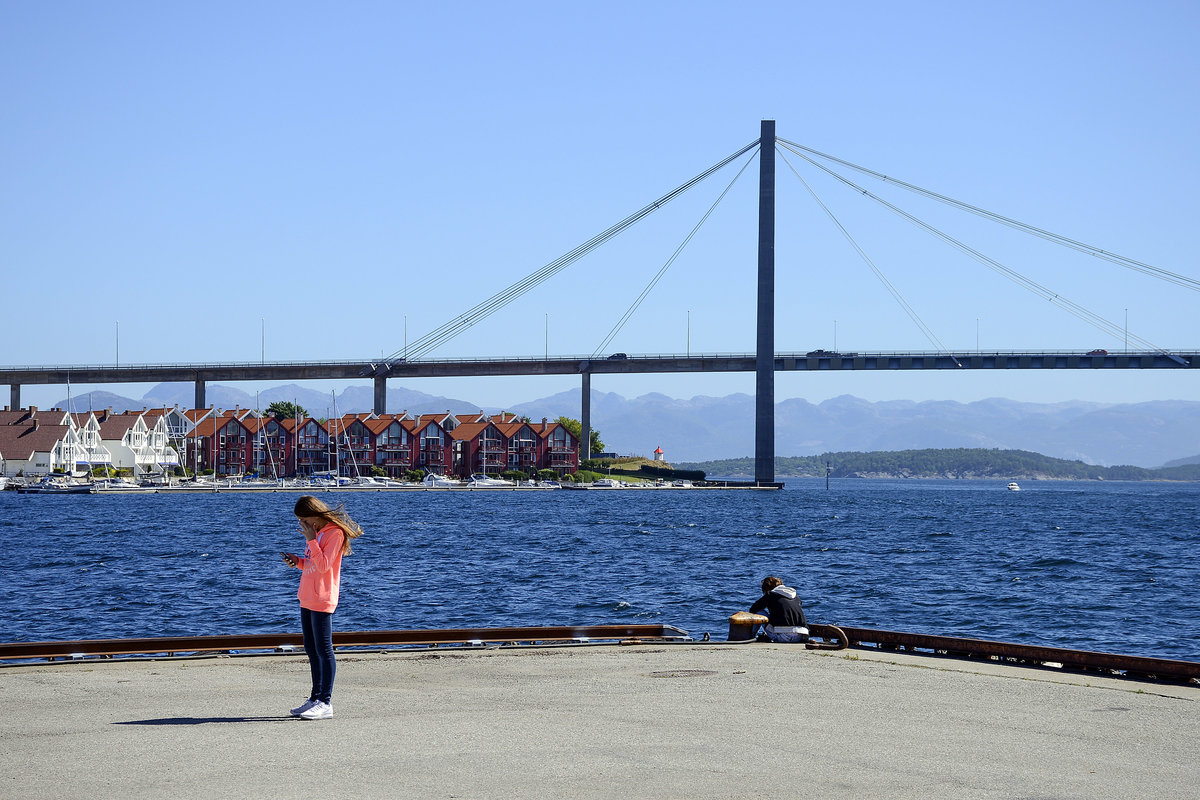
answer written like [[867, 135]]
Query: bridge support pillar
[[200, 393], [585, 419], [380, 403], [14, 396], [764, 363]]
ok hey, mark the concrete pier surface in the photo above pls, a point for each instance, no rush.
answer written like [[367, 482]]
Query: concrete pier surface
[[637, 721]]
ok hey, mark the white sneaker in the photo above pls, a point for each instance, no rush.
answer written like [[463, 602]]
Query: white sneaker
[[305, 706], [318, 711]]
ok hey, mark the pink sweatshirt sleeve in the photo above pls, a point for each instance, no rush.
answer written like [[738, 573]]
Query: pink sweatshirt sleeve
[[322, 550]]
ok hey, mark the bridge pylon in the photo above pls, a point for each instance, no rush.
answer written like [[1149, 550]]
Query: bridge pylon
[[764, 362]]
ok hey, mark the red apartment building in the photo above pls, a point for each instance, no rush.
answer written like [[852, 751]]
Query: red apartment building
[[239, 442]]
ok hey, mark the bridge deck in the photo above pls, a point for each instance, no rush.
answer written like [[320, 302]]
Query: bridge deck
[[575, 365]]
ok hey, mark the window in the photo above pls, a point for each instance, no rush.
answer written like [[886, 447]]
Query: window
[[431, 436]]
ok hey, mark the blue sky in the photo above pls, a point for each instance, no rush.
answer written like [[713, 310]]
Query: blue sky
[[192, 175]]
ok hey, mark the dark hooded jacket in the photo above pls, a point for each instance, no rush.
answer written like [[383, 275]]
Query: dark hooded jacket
[[782, 606]]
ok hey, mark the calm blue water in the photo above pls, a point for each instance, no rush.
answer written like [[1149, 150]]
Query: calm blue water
[[1100, 566]]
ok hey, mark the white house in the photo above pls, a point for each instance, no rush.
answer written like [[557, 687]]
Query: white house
[[138, 441], [177, 421], [85, 450], [34, 442], [33, 448]]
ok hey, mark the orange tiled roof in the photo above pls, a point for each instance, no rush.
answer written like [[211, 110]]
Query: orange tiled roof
[[469, 431], [551, 427], [429, 419], [203, 429], [211, 425], [511, 429], [381, 424]]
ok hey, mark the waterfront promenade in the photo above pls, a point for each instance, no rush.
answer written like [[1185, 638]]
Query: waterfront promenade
[[643, 721]]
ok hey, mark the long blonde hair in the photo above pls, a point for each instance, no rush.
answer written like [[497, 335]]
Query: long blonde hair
[[309, 506]]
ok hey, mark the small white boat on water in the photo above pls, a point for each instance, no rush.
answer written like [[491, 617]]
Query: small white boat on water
[[433, 481], [481, 481], [119, 485], [55, 484], [329, 478], [371, 482], [1014, 487]]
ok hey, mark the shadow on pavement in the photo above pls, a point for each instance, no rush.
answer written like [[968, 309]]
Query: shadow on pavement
[[204, 720]]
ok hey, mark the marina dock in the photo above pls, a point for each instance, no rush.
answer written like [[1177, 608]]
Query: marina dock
[[664, 720]]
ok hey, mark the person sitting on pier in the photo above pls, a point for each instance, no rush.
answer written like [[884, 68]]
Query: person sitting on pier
[[785, 613]]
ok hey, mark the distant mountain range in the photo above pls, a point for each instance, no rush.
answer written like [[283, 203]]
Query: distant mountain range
[[1153, 434]]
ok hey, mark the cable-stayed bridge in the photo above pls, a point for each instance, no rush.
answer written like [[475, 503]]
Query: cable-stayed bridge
[[583, 365], [417, 361]]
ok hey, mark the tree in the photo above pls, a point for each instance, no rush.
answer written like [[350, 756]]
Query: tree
[[575, 428], [285, 409]]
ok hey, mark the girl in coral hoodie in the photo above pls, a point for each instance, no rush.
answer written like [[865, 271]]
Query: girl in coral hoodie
[[327, 533]]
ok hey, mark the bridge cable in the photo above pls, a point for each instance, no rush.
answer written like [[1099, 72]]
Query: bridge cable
[[1073, 308], [904, 304], [658, 276], [1093, 319], [1124, 261], [450, 329]]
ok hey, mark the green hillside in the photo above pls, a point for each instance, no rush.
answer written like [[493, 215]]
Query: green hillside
[[962, 463]]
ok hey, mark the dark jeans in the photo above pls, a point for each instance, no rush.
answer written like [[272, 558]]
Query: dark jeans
[[318, 644]]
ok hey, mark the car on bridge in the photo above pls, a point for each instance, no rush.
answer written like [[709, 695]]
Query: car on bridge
[[618, 357], [1097, 352]]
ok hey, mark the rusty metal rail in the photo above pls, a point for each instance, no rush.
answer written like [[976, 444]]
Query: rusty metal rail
[[1140, 667], [835, 637], [290, 642]]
